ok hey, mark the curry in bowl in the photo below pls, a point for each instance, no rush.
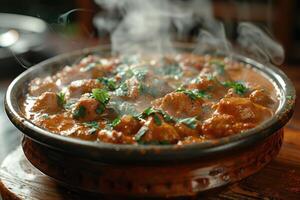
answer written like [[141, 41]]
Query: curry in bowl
[[176, 99]]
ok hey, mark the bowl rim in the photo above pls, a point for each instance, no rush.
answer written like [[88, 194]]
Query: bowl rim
[[124, 153]]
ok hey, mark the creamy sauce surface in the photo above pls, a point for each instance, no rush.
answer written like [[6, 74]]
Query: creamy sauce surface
[[144, 100]]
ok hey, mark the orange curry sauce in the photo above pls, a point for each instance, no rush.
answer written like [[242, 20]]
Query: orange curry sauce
[[144, 100]]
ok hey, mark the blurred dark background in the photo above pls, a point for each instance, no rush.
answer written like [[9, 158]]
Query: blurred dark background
[[65, 25], [279, 17]]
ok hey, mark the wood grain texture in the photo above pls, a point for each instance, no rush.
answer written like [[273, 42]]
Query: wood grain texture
[[278, 180]]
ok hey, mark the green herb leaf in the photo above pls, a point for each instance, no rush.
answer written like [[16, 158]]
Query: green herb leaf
[[201, 94], [45, 116], [101, 95], [93, 125], [138, 136], [79, 112], [194, 94], [157, 120], [140, 73], [149, 111], [166, 116], [238, 87], [100, 109], [122, 90], [109, 83], [190, 122], [115, 122], [61, 100]]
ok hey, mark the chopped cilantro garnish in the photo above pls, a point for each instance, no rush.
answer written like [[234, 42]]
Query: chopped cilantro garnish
[[166, 116], [194, 94], [151, 111], [101, 95], [140, 73], [116, 121], [61, 100], [141, 133], [202, 94], [154, 112], [238, 87], [109, 83], [100, 109], [122, 90], [79, 112], [94, 126], [190, 122], [45, 116], [157, 120]]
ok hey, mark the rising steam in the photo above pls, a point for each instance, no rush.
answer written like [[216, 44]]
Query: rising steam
[[259, 45], [150, 26]]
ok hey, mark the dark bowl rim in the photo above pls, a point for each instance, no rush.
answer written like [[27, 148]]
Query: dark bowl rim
[[154, 153]]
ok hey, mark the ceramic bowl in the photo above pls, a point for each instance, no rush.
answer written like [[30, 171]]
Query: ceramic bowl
[[148, 170]]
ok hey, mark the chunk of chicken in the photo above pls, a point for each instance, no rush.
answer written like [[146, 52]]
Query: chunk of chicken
[[159, 133], [243, 110], [184, 131], [80, 87], [179, 105], [116, 137], [128, 125], [47, 102], [261, 97], [202, 83], [208, 84], [191, 139], [86, 109], [221, 125]]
